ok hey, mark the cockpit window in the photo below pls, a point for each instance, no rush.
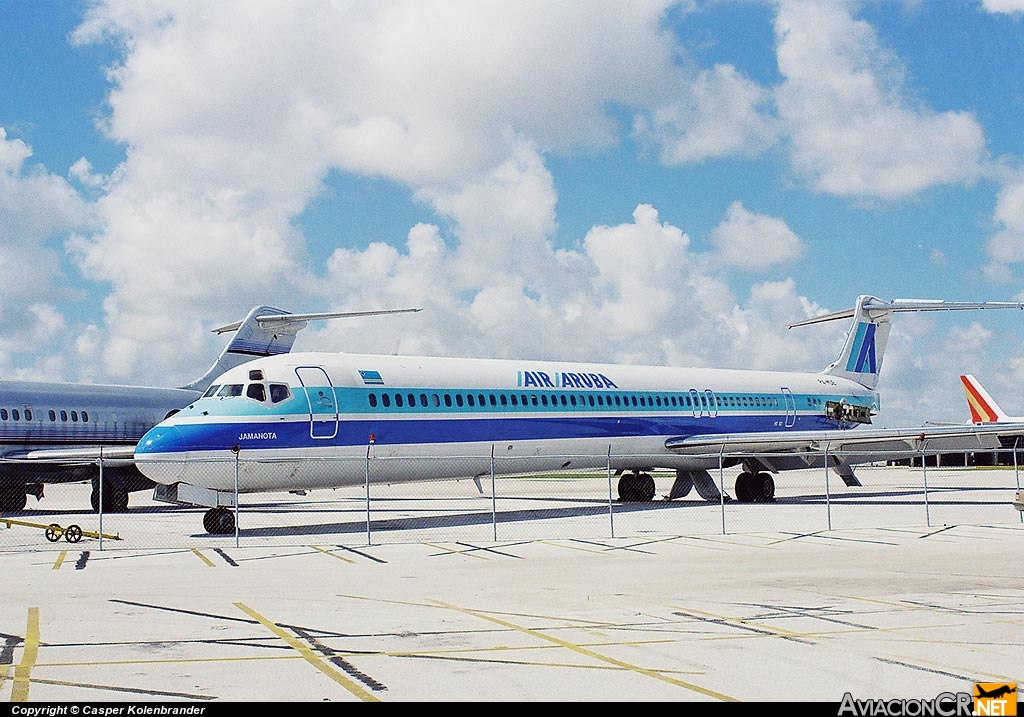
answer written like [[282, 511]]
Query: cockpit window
[[278, 392], [231, 389], [211, 390], [256, 391]]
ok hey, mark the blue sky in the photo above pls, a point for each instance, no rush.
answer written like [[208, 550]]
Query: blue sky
[[647, 182]]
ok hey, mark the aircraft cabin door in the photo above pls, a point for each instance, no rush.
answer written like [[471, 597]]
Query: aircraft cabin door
[[787, 396], [323, 409], [712, 402]]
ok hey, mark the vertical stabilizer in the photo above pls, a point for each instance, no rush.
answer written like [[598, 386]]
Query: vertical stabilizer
[[984, 408], [252, 339], [268, 331], [861, 358]]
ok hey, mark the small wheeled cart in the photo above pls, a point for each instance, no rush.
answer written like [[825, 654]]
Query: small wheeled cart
[[54, 532]]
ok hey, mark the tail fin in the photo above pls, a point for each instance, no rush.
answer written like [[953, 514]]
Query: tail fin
[[267, 331], [861, 358], [984, 408]]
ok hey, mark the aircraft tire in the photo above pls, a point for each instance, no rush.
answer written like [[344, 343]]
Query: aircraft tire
[[765, 488], [745, 487], [115, 499], [219, 521], [645, 488]]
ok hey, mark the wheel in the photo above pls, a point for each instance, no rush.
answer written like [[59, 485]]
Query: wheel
[[627, 488], [53, 533], [745, 487], [73, 534], [115, 498], [645, 487], [765, 488], [219, 521]]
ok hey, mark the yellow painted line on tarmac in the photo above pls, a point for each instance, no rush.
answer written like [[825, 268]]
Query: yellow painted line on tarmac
[[60, 559], [456, 552], [202, 557], [594, 655], [29, 655], [333, 555], [310, 656]]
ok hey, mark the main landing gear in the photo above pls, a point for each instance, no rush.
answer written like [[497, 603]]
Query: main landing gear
[[755, 487], [115, 496], [636, 487], [219, 521]]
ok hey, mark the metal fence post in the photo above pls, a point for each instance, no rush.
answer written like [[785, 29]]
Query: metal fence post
[[101, 497], [238, 454], [721, 485], [1016, 474], [366, 482], [494, 505], [611, 513], [828, 495], [924, 476]]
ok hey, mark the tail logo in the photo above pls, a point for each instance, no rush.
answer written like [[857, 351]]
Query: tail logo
[[862, 355]]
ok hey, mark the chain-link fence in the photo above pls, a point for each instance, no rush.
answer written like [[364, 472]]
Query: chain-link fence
[[363, 501]]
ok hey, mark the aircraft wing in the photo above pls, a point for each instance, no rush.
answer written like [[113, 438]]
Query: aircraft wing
[[79, 455], [899, 442]]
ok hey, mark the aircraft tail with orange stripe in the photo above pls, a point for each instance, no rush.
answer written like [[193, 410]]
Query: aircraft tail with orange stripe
[[984, 408]]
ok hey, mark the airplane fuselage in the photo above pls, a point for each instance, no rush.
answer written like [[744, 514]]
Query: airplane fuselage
[[435, 417], [37, 416]]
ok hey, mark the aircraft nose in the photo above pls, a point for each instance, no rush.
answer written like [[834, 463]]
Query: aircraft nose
[[161, 440], [161, 455]]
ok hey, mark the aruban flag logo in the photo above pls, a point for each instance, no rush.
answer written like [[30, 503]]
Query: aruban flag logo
[[372, 378]]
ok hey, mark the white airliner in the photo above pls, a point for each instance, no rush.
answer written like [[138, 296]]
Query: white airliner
[[285, 414], [57, 432]]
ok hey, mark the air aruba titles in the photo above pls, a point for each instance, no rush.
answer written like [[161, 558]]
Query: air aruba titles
[[563, 379]]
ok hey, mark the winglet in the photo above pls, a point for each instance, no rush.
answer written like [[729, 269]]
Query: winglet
[[983, 407]]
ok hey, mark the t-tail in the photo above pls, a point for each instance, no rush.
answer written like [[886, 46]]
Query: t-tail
[[861, 358], [984, 408], [267, 331]]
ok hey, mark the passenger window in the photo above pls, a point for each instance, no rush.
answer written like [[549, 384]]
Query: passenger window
[[28, 414], [53, 415], [386, 400], [458, 399], [372, 398], [515, 400], [436, 400], [423, 400], [74, 416], [85, 417], [279, 392], [448, 400], [211, 390], [504, 399], [256, 392], [16, 414], [3, 414], [398, 400], [469, 399], [64, 416]]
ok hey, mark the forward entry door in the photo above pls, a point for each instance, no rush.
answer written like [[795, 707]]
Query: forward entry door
[[323, 409]]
